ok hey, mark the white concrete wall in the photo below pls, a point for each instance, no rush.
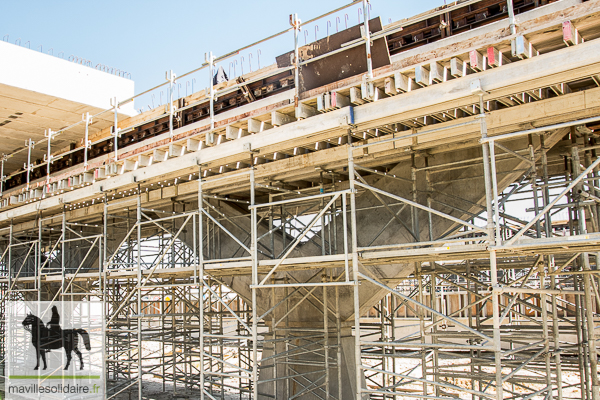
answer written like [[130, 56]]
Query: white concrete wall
[[43, 73]]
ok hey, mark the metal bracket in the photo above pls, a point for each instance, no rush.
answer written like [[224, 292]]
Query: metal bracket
[[248, 147], [115, 104], [88, 119], [170, 76], [168, 109], [476, 87], [346, 120], [363, 35]]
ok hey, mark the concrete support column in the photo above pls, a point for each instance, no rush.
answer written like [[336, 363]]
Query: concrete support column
[[311, 360]]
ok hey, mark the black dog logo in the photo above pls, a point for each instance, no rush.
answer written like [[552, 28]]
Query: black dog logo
[[54, 337]]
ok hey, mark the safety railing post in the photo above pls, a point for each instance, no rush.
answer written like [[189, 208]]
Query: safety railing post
[[171, 78], [297, 25], [29, 167], [2, 160], [511, 17], [87, 118], [115, 105], [210, 59], [49, 135], [367, 37]]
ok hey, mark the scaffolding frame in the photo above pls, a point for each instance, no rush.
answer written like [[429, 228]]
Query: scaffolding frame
[[175, 313], [238, 339]]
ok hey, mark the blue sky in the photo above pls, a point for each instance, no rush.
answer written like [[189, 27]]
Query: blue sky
[[147, 38]]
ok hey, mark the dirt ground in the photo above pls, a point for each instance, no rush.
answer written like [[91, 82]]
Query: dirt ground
[[153, 390]]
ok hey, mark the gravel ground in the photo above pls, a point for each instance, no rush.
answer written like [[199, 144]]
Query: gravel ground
[[153, 390]]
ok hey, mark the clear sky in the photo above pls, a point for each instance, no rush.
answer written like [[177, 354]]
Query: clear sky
[[147, 38]]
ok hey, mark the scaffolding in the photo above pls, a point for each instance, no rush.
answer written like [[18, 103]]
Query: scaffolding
[[467, 269], [477, 304]]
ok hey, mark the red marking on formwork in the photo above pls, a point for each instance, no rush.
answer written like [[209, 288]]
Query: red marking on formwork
[[476, 60], [491, 56], [567, 31]]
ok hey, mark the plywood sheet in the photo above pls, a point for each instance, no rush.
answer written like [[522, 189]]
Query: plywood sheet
[[340, 65]]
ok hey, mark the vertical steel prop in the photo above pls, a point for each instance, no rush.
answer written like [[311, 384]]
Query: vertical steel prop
[[355, 272], [49, 136], [170, 76], [28, 167], [115, 105], [367, 34], [2, 160], [87, 144], [210, 59], [511, 17], [297, 25]]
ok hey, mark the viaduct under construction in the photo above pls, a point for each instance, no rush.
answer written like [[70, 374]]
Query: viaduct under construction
[[403, 210]]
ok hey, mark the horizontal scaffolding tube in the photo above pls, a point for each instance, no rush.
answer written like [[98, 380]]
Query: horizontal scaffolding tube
[[502, 289], [316, 196], [540, 129]]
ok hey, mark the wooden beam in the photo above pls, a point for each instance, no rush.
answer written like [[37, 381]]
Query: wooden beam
[[403, 82], [561, 88], [570, 34], [256, 126], [370, 92], [176, 150], [495, 58], [279, 119], [304, 111], [232, 133], [521, 48], [476, 60], [457, 67], [210, 139], [338, 100], [144, 160], [437, 72], [356, 96], [390, 86], [159, 156], [422, 76], [322, 102], [194, 144], [129, 165]]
